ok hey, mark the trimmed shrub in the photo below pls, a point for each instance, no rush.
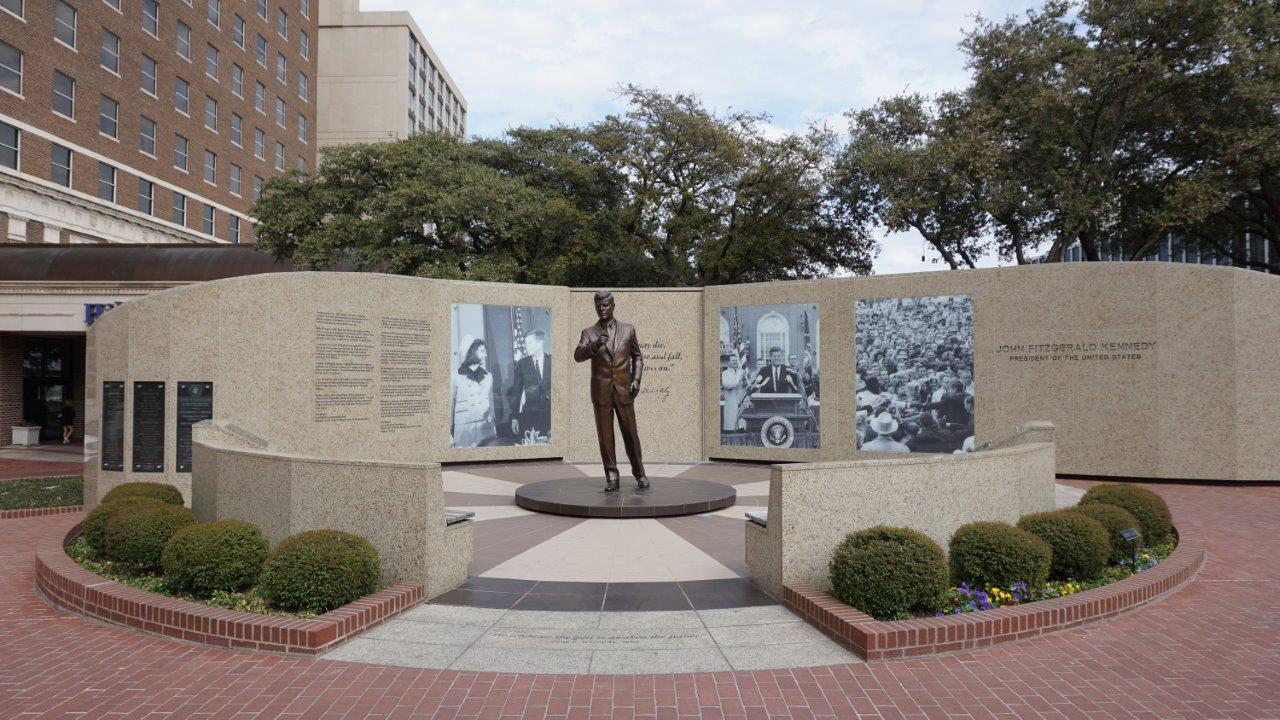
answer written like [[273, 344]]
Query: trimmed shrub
[[1150, 509], [1114, 519], [94, 527], [160, 491], [320, 570], [137, 536], [984, 554], [1079, 543], [224, 555], [889, 572]]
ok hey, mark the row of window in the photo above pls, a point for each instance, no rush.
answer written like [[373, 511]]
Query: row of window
[[151, 11], [436, 106], [108, 189]]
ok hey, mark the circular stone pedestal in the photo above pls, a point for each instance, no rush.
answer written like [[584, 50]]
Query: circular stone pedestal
[[585, 497]]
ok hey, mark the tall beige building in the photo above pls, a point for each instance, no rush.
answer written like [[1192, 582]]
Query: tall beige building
[[379, 78]]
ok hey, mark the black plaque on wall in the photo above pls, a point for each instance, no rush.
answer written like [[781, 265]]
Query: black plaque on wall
[[148, 427], [195, 403], [112, 452]]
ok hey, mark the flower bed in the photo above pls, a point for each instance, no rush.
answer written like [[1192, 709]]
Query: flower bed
[[884, 640]]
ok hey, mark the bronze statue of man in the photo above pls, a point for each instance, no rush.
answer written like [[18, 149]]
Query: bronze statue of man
[[616, 367]]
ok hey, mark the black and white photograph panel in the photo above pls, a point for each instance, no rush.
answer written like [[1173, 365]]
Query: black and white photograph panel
[[770, 389], [914, 369], [501, 375]]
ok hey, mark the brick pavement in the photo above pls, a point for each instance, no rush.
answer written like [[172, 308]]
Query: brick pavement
[[1209, 651], [16, 469]]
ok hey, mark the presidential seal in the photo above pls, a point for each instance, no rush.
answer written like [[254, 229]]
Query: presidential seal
[[777, 432]]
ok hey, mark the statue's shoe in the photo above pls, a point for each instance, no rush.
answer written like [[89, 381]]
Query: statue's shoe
[[611, 481], [642, 483]]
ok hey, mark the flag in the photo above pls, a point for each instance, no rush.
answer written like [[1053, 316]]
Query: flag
[[736, 341], [517, 329]]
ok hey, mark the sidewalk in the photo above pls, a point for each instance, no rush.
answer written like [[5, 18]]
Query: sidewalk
[[49, 460]]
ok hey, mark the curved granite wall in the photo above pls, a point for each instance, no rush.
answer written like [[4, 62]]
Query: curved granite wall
[[1199, 402]]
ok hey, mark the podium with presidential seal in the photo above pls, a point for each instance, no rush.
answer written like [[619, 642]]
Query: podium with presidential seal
[[777, 420]]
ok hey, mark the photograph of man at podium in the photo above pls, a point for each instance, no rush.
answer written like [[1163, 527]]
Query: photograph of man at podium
[[768, 397]]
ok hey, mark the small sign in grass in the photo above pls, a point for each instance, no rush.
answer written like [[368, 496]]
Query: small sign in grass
[[41, 492]]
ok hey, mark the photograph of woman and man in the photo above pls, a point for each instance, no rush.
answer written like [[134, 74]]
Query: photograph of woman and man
[[914, 368], [501, 380]]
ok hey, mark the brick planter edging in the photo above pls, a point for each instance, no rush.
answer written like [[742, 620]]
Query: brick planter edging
[[876, 640], [68, 586], [38, 512]]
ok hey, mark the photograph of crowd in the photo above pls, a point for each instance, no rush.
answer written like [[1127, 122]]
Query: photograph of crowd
[[914, 369], [770, 390], [501, 375]]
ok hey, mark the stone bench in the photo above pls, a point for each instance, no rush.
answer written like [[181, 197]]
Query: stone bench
[[813, 506], [396, 506]]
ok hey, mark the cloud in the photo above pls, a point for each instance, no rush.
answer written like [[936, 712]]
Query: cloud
[[528, 62]]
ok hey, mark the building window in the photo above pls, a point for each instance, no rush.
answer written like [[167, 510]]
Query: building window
[[64, 24], [301, 164], [64, 95], [259, 144], [180, 209], [146, 196], [237, 130], [208, 220], [151, 17], [280, 156], [261, 44], [147, 136], [210, 167], [182, 96], [110, 54], [302, 127], [114, 4], [106, 182], [237, 32], [235, 179], [260, 98], [61, 157], [233, 228], [13, 6], [211, 61], [304, 44], [10, 68], [304, 86], [257, 188], [215, 13], [148, 84], [262, 9], [211, 113], [281, 71], [306, 8], [280, 112], [180, 152], [237, 80], [8, 146], [282, 23], [108, 114], [184, 40]]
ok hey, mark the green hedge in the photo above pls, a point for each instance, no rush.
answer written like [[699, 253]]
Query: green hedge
[[320, 570], [137, 536], [160, 491], [889, 572], [94, 527], [225, 555], [1079, 543], [984, 554], [1115, 519], [1154, 519]]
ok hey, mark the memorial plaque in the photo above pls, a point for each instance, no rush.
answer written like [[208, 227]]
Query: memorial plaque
[[195, 403], [148, 427], [112, 442]]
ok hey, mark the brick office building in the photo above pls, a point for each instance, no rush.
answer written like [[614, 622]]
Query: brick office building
[[146, 122]]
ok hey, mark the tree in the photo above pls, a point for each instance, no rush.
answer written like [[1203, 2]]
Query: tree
[[666, 194]]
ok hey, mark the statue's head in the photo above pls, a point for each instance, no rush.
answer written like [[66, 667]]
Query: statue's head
[[604, 305]]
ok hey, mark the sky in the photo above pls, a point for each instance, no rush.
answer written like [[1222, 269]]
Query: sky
[[539, 62]]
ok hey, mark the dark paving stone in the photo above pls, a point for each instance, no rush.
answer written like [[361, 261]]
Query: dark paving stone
[[720, 594], [584, 497], [520, 472], [556, 587], [720, 537], [563, 603], [497, 541], [729, 473], [505, 585], [478, 598], [645, 596]]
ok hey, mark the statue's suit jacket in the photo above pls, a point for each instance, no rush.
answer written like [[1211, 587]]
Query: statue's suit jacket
[[612, 371]]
